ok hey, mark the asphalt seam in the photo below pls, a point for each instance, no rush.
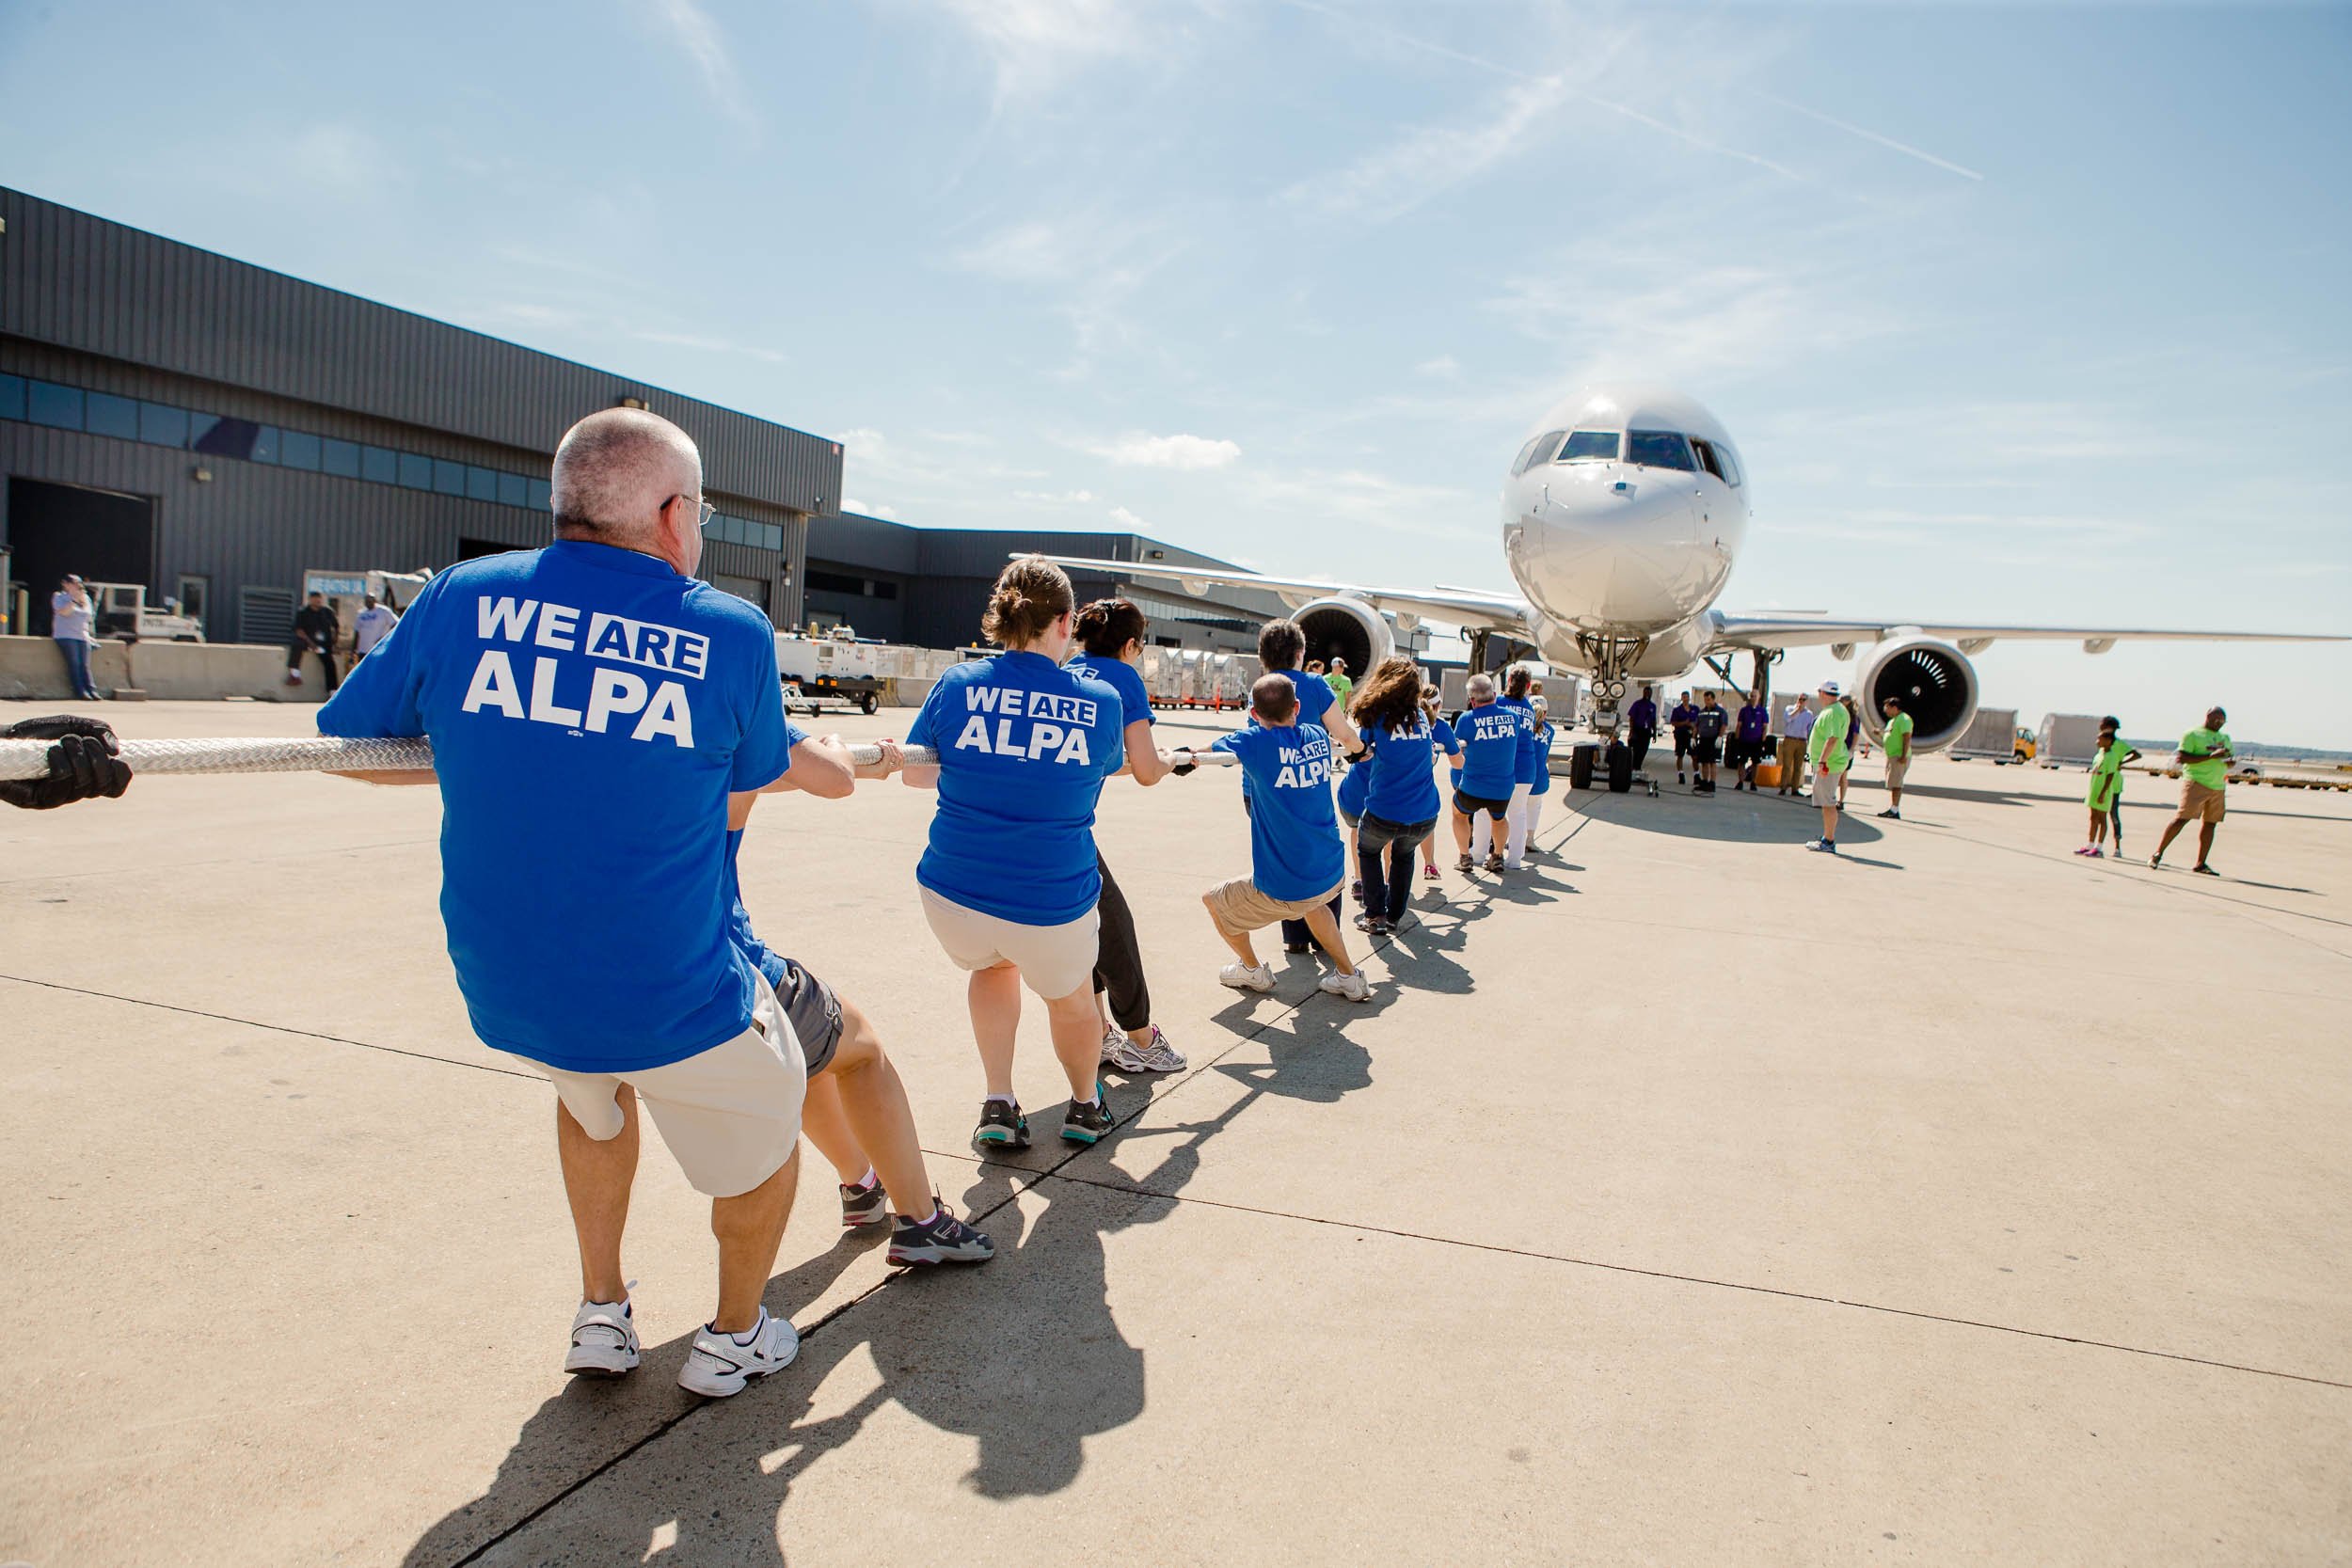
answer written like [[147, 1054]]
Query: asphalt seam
[[1573, 1262], [274, 1028]]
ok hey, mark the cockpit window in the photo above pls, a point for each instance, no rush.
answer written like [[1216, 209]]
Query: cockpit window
[[1590, 446], [1707, 457], [1658, 448], [1537, 451]]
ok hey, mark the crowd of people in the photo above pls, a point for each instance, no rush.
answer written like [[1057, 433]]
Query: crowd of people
[[618, 777]]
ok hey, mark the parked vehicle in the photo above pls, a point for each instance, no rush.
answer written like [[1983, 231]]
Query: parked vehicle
[[121, 613], [821, 670]]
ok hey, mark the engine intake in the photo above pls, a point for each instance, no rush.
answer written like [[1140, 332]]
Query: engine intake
[[1935, 682], [1345, 629]]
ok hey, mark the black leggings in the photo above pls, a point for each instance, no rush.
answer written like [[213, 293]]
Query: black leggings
[[1387, 896], [1117, 962]]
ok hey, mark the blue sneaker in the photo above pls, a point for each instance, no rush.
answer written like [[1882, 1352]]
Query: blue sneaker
[[1826, 846]]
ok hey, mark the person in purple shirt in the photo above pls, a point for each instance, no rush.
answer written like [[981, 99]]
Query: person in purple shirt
[[1755, 717], [1685, 713], [1642, 725]]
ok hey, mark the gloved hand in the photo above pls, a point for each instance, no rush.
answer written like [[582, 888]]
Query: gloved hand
[[83, 764], [1179, 769]]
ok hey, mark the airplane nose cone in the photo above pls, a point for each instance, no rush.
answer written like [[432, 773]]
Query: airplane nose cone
[[1610, 546]]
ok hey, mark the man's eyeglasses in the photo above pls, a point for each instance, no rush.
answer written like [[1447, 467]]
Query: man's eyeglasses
[[704, 509]]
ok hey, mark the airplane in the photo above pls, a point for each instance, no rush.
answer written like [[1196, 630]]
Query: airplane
[[1622, 516]]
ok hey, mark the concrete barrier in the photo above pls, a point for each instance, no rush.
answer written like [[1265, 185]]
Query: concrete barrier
[[32, 668]]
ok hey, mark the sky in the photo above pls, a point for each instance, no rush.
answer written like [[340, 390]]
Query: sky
[[2015, 313]]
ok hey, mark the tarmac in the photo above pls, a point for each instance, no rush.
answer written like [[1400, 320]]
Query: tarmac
[[1686, 1198]]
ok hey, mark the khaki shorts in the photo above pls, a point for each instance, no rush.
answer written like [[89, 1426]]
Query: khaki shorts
[[2200, 802], [1241, 906], [1895, 769], [1054, 960], [731, 1115]]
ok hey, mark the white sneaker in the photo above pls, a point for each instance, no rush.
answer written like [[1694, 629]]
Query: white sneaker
[[1348, 988], [1127, 1056], [1242, 977], [721, 1364], [604, 1340]]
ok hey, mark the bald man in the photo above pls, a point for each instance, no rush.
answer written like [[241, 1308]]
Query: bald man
[[592, 707]]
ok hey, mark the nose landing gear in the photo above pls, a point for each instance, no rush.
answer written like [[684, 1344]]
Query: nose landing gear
[[1610, 660]]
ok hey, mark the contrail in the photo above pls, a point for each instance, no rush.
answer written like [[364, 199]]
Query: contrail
[[1943, 164]]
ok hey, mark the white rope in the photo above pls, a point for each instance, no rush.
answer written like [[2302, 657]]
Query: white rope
[[30, 759]]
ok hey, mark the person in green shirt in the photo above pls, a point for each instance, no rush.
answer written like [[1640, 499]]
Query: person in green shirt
[[1339, 683], [1825, 754], [1897, 742], [2106, 795], [2205, 756]]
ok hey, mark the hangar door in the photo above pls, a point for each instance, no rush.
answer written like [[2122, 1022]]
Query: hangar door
[[55, 529]]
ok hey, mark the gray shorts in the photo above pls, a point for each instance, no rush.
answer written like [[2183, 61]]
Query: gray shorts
[[815, 1013]]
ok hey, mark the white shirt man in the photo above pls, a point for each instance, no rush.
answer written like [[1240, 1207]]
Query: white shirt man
[[375, 623]]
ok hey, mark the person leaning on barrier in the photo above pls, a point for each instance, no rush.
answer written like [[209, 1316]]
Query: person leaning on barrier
[[85, 763], [592, 708]]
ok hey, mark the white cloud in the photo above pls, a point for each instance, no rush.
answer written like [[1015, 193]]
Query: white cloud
[[709, 345], [1170, 451], [1055, 497], [691, 28], [1128, 520], [1444, 367], [1343, 501], [1034, 44], [1429, 160]]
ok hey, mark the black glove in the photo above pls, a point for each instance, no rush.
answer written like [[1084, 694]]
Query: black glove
[[1183, 767], [83, 765]]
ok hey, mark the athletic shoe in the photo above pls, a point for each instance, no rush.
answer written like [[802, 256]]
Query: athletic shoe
[[1002, 1123], [2097, 853], [1347, 988], [1373, 925], [722, 1363], [1242, 977], [604, 1340], [941, 1238], [1494, 862], [2084, 850], [1084, 1124], [2201, 869], [294, 677], [1826, 846], [2156, 862], [1127, 1056], [1356, 890], [1892, 815], [1296, 948], [864, 1206], [1429, 872], [1463, 864]]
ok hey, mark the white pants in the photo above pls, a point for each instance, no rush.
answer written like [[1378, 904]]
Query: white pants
[[1518, 826]]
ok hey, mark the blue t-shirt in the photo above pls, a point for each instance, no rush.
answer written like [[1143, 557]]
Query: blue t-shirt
[[590, 711], [1121, 677], [1315, 698], [1403, 770], [1490, 751], [1355, 788], [1531, 757], [1294, 849], [1543, 775], [1024, 748], [1642, 715]]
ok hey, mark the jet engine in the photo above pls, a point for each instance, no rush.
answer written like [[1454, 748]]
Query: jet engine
[[1347, 628], [1935, 682]]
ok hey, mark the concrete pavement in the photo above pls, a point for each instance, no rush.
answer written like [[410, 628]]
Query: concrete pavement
[[1591, 1239]]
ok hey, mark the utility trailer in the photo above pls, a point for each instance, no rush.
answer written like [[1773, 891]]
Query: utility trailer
[[120, 614], [829, 670], [1992, 732], [2067, 740]]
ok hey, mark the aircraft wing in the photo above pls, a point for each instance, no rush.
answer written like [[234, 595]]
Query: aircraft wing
[[1734, 632], [1469, 607]]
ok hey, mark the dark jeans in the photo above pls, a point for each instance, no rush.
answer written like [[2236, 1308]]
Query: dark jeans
[[294, 651], [1387, 896], [1639, 745], [77, 666], [1117, 962], [1295, 932]]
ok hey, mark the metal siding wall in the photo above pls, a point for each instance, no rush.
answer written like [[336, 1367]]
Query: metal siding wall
[[81, 282]]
